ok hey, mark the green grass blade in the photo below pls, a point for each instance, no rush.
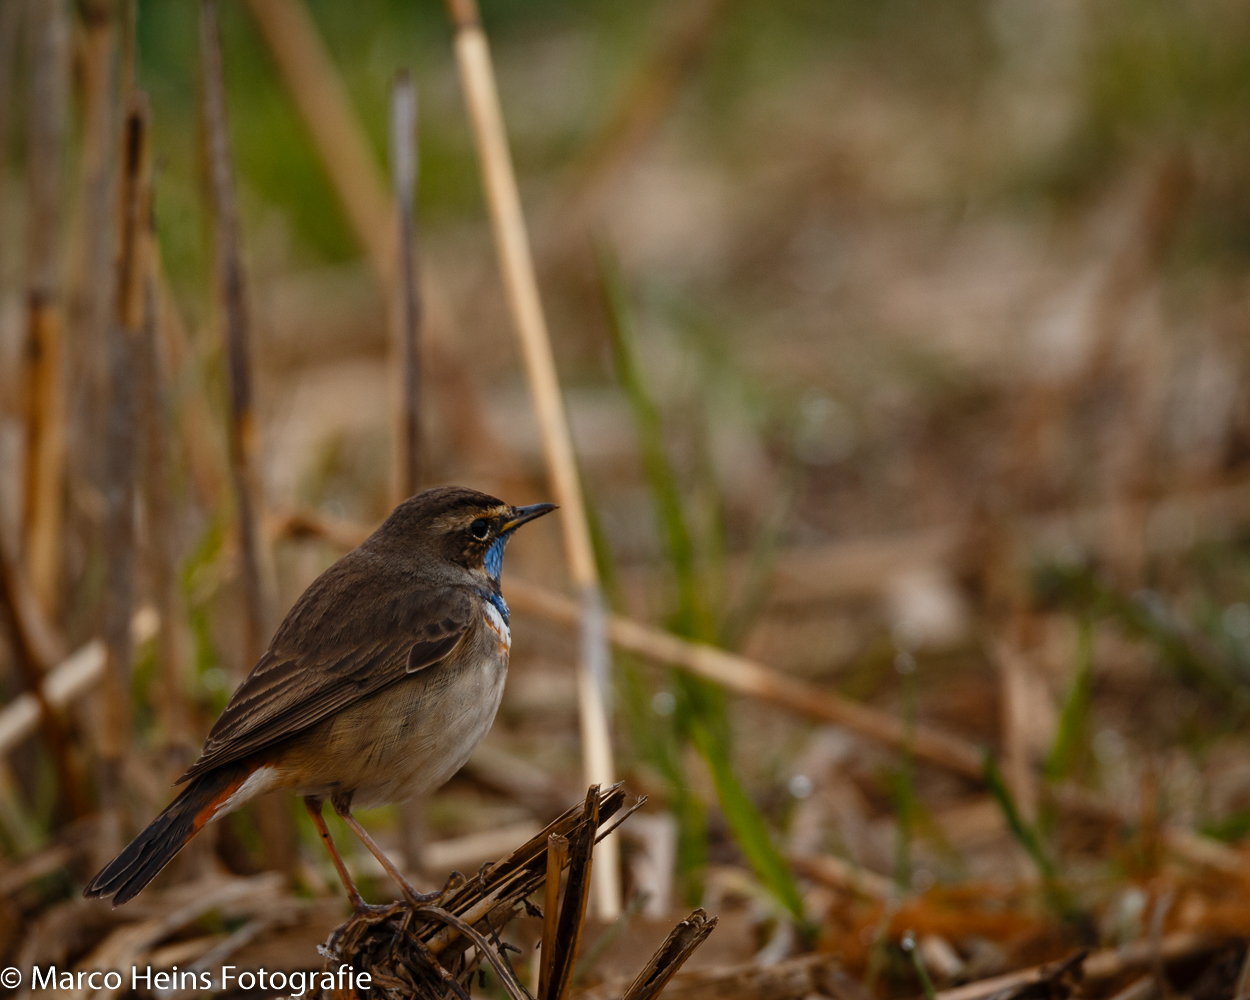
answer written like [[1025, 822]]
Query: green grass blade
[[1074, 719], [702, 714], [1025, 835], [926, 984], [748, 825], [691, 619]]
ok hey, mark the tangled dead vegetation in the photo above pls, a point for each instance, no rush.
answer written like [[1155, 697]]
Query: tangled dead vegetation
[[435, 951]]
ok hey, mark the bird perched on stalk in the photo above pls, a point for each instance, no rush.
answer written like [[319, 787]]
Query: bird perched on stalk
[[382, 680]]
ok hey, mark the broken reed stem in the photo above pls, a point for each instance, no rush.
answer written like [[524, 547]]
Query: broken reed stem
[[235, 318], [91, 307], [512, 243], [121, 456], [315, 86], [407, 295], [277, 825], [557, 857], [44, 376], [573, 907], [161, 554]]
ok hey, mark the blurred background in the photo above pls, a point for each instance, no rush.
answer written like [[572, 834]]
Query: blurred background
[[904, 349]]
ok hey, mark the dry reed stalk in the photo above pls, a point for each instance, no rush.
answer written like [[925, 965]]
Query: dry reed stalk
[[512, 243], [560, 949], [407, 314], [407, 295], [162, 556], [746, 677], [65, 683], [48, 22], [236, 320], [205, 452], [435, 950], [557, 861], [837, 874], [313, 82], [318, 92], [35, 649], [276, 822], [91, 305], [68, 680], [121, 463], [671, 955], [1101, 966]]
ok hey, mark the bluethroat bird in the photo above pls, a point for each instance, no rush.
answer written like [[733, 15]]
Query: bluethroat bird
[[382, 680]]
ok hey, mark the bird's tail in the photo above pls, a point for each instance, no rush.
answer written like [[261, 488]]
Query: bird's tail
[[165, 836]]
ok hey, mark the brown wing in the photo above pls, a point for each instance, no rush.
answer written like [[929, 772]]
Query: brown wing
[[326, 656]]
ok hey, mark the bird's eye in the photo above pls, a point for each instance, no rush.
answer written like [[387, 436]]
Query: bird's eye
[[479, 528]]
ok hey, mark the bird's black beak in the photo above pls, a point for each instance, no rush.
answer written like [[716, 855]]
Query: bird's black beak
[[520, 515]]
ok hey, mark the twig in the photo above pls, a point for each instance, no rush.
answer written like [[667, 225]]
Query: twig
[[233, 294], [515, 877], [161, 555], [45, 377], [1100, 966], [407, 297], [836, 873], [92, 309], [512, 243], [506, 977], [68, 680], [275, 819], [121, 457]]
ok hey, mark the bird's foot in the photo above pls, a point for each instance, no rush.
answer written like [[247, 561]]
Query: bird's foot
[[362, 909], [454, 881]]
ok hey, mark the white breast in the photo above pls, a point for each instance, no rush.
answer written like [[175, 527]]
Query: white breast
[[497, 625]]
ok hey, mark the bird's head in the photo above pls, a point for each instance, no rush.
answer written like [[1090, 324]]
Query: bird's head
[[463, 526]]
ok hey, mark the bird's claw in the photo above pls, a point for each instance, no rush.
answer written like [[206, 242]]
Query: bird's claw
[[436, 898], [362, 909]]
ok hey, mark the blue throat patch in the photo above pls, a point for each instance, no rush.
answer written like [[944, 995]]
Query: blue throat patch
[[494, 569], [494, 557]]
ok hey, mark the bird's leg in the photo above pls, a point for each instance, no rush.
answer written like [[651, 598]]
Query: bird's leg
[[343, 806], [313, 805]]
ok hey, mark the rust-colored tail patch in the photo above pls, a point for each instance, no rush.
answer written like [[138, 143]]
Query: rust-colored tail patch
[[166, 835]]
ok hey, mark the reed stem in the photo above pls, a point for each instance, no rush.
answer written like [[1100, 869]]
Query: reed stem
[[477, 77]]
